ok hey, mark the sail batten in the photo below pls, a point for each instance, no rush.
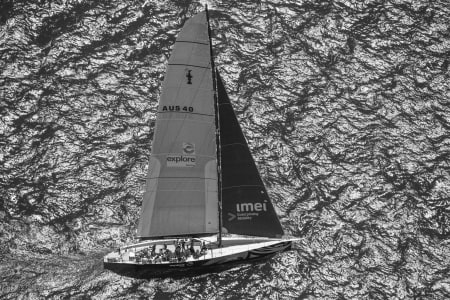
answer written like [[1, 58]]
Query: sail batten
[[186, 65]]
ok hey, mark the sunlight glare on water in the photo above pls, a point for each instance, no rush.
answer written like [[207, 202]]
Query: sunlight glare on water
[[345, 105]]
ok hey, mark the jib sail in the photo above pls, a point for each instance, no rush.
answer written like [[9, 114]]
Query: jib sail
[[246, 207]]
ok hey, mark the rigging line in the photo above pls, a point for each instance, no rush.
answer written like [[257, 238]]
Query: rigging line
[[189, 65], [218, 150]]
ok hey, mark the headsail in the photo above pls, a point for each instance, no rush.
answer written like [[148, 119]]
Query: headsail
[[246, 207], [181, 196]]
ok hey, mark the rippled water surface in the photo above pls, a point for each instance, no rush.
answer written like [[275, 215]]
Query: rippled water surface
[[346, 106]]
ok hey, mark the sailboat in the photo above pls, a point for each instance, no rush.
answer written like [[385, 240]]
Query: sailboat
[[205, 203]]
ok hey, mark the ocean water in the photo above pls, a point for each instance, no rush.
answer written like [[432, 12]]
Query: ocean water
[[345, 105]]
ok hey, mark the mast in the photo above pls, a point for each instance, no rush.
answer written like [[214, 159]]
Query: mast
[[216, 105]]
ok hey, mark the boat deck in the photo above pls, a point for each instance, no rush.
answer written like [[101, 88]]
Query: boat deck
[[164, 251]]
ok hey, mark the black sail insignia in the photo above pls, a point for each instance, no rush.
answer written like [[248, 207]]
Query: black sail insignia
[[246, 207]]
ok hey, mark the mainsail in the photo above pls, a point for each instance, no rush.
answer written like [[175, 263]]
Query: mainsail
[[246, 207], [181, 196]]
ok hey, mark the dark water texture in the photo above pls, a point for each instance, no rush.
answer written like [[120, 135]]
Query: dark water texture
[[346, 106]]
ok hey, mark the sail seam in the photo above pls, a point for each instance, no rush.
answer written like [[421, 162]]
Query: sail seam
[[183, 190], [193, 42], [172, 153], [189, 65], [179, 112], [234, 144], [246, 185], [182, 178]]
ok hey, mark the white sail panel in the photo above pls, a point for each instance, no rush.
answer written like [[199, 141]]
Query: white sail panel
[[181, 195]]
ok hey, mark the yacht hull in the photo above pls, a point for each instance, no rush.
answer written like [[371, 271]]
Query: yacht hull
[[217, 260]]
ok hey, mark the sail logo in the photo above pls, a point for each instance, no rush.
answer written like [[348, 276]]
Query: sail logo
[[251, 207], [188, 148], [177, 160], [247, 211]]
